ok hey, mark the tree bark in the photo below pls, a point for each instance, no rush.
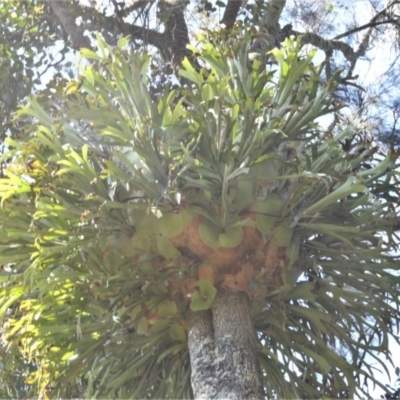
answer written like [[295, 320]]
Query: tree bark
[[237, 365], [231, 13], [176, 35], [223, 350], [202, 354], [78, 40], [270, 28]]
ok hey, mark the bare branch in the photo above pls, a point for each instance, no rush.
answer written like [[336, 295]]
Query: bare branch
[[75, 32], [325, 44], [231, 13], [270, 19], [362, 48], [106, 24], [375, 21], [149, 36], [328, 46], [351, 55], [371, 24], [172, 43], [138, 4], [270, 25], [176, 35]]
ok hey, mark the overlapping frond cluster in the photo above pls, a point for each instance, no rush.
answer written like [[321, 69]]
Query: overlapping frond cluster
[[119, 213]]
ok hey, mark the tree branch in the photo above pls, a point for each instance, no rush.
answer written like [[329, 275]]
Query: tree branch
[[106, 24], [78, 40], [149, 36], [270, 19], [270, 25], [374, 22], [176, 35], [138, 4], [231, 13], [172, 43], [330, 45], [371, 24], [327, 45]]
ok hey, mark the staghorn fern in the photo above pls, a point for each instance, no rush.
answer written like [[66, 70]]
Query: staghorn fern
[[120, 214]]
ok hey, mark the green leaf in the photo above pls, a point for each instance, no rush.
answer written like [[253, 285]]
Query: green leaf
[[351, 186], [282, 235], [190, 73], [177, 332], [203, 297], [172, 224], [231, 237], [167, 308], [166, 249], [209, 235]]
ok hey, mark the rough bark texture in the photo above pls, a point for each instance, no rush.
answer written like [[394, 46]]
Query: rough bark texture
[[173, 41], [270, 31], [202, 355], [75, 32], [176, 36], [237, 365], [231, 13], [271, 17], [223, 350]]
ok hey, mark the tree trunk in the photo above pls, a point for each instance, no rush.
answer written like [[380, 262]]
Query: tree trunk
[[223, 350], [202, 354]]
